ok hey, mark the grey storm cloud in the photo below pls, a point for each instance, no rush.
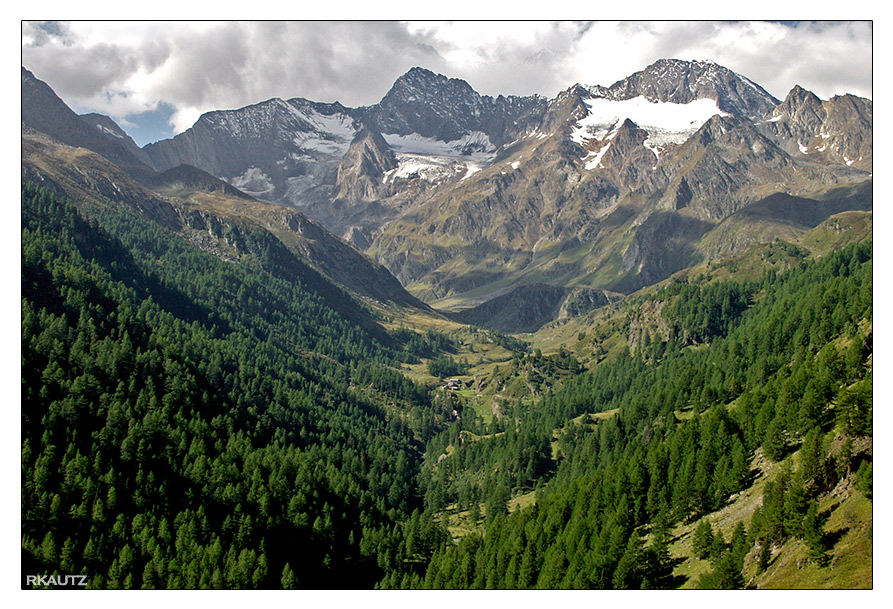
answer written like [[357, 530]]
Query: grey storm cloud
[[123, 69]]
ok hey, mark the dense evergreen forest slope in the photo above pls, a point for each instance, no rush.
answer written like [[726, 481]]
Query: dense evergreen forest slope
[[726, 376], [189, 422]]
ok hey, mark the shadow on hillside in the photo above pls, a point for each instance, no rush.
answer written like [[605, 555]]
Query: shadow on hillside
[[830, 539]]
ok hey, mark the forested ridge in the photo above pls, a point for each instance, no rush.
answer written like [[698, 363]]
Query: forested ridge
[[194, 423], [776, 364]]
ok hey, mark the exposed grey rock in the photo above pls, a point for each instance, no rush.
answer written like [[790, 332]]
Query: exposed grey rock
[[278, 151], [432, 105], [361, 171], [43, 111], [510, 182], [680, 82], [837, 131], [108, 127]]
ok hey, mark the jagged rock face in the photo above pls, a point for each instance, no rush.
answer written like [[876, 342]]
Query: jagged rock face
[[729, 164], [838, 130], [446, 109], [681, 82], [624, 157], [277, 150], [567, 108], [802, 109], [849, 123], [108, 127], [430, 105], [609, 187], [43, 111], [686, 154], [361, 171]]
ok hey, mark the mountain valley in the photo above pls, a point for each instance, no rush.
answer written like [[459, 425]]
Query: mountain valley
[[617, 338]]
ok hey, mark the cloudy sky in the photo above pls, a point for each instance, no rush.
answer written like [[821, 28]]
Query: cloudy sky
[[156, 78]]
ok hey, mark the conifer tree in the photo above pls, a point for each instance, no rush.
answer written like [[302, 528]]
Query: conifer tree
[[288, 580], [702, 539], [813, 532]]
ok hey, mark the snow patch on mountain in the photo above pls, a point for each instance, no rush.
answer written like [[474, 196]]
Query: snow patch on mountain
[[338, 125], [665, 122], [471, 169], [430, 168], [597, 158], [331, 133], [594, 159], [434, 160], [321, 143], [253, 181], [110, 132], [650, 145], [472, 146]]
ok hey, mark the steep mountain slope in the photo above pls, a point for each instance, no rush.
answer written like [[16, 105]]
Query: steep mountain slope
[[782, 216], [185, 180], [666, 154], [81, 175], [528, 307], [43, 111], [216, 218], [362, 170], [682, 82], [464, 196], [189, 393], [734, 403], [447, 109], [209, 212], [213, 396], [275, 150], [291, 152], [108, 127], [838, 130]]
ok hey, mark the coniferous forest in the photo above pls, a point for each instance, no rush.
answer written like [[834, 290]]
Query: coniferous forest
[[194, 423]]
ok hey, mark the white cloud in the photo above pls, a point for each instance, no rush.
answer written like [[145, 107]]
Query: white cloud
[[827, 58], [124, 68]]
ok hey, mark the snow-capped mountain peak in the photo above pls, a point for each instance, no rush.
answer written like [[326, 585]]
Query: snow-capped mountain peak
[[680, 81]]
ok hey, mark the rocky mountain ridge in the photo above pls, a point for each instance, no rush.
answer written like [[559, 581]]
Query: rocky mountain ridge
[[87, 160], [682, 82], [464, 196], [43, 111]]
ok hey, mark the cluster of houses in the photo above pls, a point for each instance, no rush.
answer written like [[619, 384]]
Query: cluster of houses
[[453, 385]]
